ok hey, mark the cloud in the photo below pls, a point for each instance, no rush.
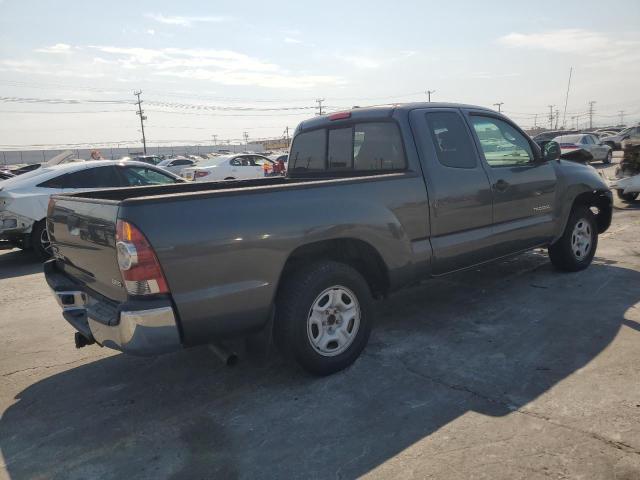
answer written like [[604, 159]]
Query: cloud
[[57, 48], [150, 31], [572, 40], [359, 61], [291, 40], [185, 21]]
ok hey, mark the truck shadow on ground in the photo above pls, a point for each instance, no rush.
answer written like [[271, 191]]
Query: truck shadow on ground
[[489, 340], [17, 263]]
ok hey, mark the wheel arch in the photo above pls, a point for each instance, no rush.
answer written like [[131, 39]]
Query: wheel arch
[[358, 254]]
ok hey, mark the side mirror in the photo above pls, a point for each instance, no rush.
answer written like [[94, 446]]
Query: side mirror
[[551, 151]]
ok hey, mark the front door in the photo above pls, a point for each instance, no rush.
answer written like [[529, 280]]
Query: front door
[[460, 199], [523, 187]]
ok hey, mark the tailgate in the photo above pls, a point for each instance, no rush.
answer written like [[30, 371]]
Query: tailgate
[[82, 233]]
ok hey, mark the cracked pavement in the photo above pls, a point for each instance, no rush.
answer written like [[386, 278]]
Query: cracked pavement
[[507, 371]]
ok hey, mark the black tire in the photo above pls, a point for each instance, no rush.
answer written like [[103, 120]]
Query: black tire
[[298, 293], [41, 247], [627, 197], [230, 178], [607, 160], [563, 253]]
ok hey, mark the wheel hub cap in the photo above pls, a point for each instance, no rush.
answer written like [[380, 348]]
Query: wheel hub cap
[[333, 321], [581, 239]]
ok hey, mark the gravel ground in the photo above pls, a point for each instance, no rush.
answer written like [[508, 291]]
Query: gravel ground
[[509, 371]]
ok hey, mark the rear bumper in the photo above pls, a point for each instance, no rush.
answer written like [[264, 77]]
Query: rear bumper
[[137, 327]]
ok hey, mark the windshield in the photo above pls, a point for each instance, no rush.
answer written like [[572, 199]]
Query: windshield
[[568, 139], [25, 176], [212, 161]]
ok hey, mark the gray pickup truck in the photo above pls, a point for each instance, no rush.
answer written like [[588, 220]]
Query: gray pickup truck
[[374, 199]]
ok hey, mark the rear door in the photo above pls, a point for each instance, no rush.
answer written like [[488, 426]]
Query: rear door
[[460, 195], [523, 187]]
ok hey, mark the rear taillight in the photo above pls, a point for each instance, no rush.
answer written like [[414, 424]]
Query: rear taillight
[[201, 174], [50, 207], [138, 263]]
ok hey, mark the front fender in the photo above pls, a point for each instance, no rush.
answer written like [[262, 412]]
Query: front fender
[[582, 183]]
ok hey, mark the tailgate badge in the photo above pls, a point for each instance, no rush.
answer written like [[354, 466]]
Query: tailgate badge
[[117, 283]]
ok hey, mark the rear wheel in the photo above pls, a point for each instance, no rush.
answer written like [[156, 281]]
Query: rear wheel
[[574, 251], [627, 197], [40, 240], [323, 317]]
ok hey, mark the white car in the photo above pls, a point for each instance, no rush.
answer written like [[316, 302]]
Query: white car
[[231, 167], [24, 198], [627, 188], [588, 142], [176, 165]]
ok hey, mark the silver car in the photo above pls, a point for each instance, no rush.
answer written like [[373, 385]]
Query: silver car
[[588, 142]]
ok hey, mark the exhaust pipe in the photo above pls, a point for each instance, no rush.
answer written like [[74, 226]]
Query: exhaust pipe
[[226, 356]]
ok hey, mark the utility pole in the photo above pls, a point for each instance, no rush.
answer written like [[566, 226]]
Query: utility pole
[[535, 121], [215, 140], [557, 117], [142, 119], [246, 139], [591, 104], [499, 105], [319, 102], [566, 99], [428, 93], [621, 112], [551, 116]]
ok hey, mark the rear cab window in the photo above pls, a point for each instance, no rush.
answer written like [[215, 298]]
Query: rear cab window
[[360, 147]]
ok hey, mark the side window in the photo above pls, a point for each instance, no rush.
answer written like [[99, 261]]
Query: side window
[[236, 162], [340, 149], [137, 176], [502, 145], [586, 140], [451, 139], [308, 151], [377, 146], [101, 177]]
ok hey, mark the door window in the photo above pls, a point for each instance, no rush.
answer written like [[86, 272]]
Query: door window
[[587, 140], [137, 176], [451, 140], [502, 144], [100, 177]]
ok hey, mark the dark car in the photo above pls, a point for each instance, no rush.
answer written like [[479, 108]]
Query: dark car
[[374, 199]]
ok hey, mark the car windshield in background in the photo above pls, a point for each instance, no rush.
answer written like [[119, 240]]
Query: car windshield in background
[[361, 147], [568, 139], [212, 161], [138, 176]]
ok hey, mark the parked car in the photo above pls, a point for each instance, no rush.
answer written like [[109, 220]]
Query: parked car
[[586, 141], [551, 134], [26, 168], [615, 141], [374, 199], [150, 159], [176, 165], [24, 199], [5, 174], [232, 167]]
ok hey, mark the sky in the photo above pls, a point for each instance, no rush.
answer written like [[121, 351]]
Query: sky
[[68, 69]]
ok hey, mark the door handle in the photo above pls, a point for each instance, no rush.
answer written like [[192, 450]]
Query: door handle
[[501, 185]]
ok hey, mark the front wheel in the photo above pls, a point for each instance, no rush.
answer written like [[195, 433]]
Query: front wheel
[[40, 240], [323, 317], [574, 251], [627, 197]]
